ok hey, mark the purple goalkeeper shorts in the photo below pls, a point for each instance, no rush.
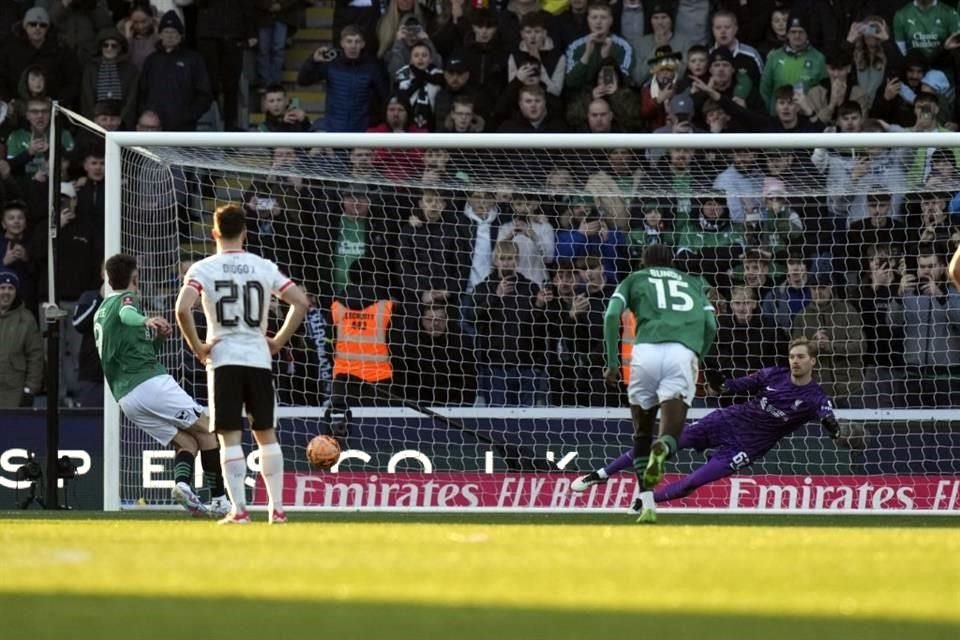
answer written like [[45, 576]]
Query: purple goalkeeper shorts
[[716, 433]]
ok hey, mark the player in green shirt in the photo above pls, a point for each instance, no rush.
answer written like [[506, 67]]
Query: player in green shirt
[[675, 327], [147, 394]]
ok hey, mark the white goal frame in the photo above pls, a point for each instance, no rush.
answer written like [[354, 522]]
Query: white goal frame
[[117, 141]]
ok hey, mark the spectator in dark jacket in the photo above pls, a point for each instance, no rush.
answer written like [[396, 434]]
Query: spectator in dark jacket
[[431, 337], [174, 82], [433, 251], [533, 116], [21, 347], [77, 23], [224, 29], [81, 231], [89, 373], [356, 85], [480, 45], [281, 114], [110, 76], [34, 43], [20, 250], [745, 343], [509, 320]]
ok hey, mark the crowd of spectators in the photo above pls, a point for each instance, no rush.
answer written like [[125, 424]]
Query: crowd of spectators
[[846, 246]]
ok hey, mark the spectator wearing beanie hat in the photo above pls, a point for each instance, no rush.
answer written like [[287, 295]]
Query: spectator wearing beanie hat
[[110, 76], [797, 64], [174, 82], [21, 347], [32, 43], [398, 164]]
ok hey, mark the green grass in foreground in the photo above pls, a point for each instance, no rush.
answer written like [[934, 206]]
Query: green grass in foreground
[[82, 575]]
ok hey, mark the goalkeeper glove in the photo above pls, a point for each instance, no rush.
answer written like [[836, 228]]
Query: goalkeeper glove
[[830, 424], [715, 380]]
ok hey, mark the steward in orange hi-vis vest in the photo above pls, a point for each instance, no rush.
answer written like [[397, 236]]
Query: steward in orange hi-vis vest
[[627, 334], [361, 349]]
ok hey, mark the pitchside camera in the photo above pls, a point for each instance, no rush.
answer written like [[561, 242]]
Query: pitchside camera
[[31, 472]]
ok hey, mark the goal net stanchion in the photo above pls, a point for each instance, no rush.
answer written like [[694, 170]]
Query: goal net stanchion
[[499, 252]]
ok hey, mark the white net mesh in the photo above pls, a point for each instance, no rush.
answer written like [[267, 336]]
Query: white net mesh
[[499, 264]]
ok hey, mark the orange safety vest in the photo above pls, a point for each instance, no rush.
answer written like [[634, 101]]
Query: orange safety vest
[[361, 349], [627, 334]]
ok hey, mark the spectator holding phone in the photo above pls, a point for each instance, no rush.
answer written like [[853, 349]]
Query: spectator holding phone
[[508, 311], [836, 328], [875, 56], [894, 102], [883, 341], [533, 235], [585, 55], [537, 57], [409, 35], [27, 148], [390, 25], [928, 309], [282, 113], [821, 102], [658, 91], [609, 87], [354, 83]]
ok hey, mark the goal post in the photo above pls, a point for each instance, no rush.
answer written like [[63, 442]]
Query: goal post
[[905, 419]]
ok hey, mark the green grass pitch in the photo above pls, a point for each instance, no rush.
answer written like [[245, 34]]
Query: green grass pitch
[[458, 577]]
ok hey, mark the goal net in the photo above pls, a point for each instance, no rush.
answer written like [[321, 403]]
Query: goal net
[[484, 264]]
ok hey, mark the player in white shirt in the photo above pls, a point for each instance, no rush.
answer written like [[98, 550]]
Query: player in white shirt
[[235, 288]]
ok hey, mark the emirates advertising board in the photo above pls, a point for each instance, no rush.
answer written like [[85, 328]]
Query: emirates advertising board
[[419, 463]]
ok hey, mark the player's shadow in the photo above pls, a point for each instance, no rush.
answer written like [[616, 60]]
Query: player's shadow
[[79, 617]]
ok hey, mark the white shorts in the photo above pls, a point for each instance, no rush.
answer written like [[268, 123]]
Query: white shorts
[[660, 372], [160, 407]]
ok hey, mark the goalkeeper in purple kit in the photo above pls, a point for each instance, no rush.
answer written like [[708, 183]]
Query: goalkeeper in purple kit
[[784, 400]]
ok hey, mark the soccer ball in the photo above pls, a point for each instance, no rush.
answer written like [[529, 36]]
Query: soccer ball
[[323, 451]]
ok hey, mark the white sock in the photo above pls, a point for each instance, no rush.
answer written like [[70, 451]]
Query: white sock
[[646, 497], [602, 474], [234, 473], [271, 468]]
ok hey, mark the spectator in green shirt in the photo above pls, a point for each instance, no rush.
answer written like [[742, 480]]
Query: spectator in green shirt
[[797, 64], [927, 25]]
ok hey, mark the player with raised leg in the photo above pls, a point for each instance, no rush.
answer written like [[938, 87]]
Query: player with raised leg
[[675, 327], [147, 394], [235, 288], [738, 435]]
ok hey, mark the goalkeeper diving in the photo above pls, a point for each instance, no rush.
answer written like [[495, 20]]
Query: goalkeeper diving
[[147, 394], [784, 399]]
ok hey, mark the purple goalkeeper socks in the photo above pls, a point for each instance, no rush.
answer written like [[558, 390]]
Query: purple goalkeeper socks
[[618, 464]]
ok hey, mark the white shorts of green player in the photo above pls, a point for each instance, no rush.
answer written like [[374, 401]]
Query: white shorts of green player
[[165, 412], [661, 372]]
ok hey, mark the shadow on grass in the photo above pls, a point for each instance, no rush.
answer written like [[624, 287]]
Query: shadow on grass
[[951, 521], [79, 617]]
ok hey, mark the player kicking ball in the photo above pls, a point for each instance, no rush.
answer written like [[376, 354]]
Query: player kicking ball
[[147, 394], [785, 400], [675, 328]]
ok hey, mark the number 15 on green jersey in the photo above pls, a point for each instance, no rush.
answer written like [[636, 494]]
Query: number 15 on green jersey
[[668, 306]]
